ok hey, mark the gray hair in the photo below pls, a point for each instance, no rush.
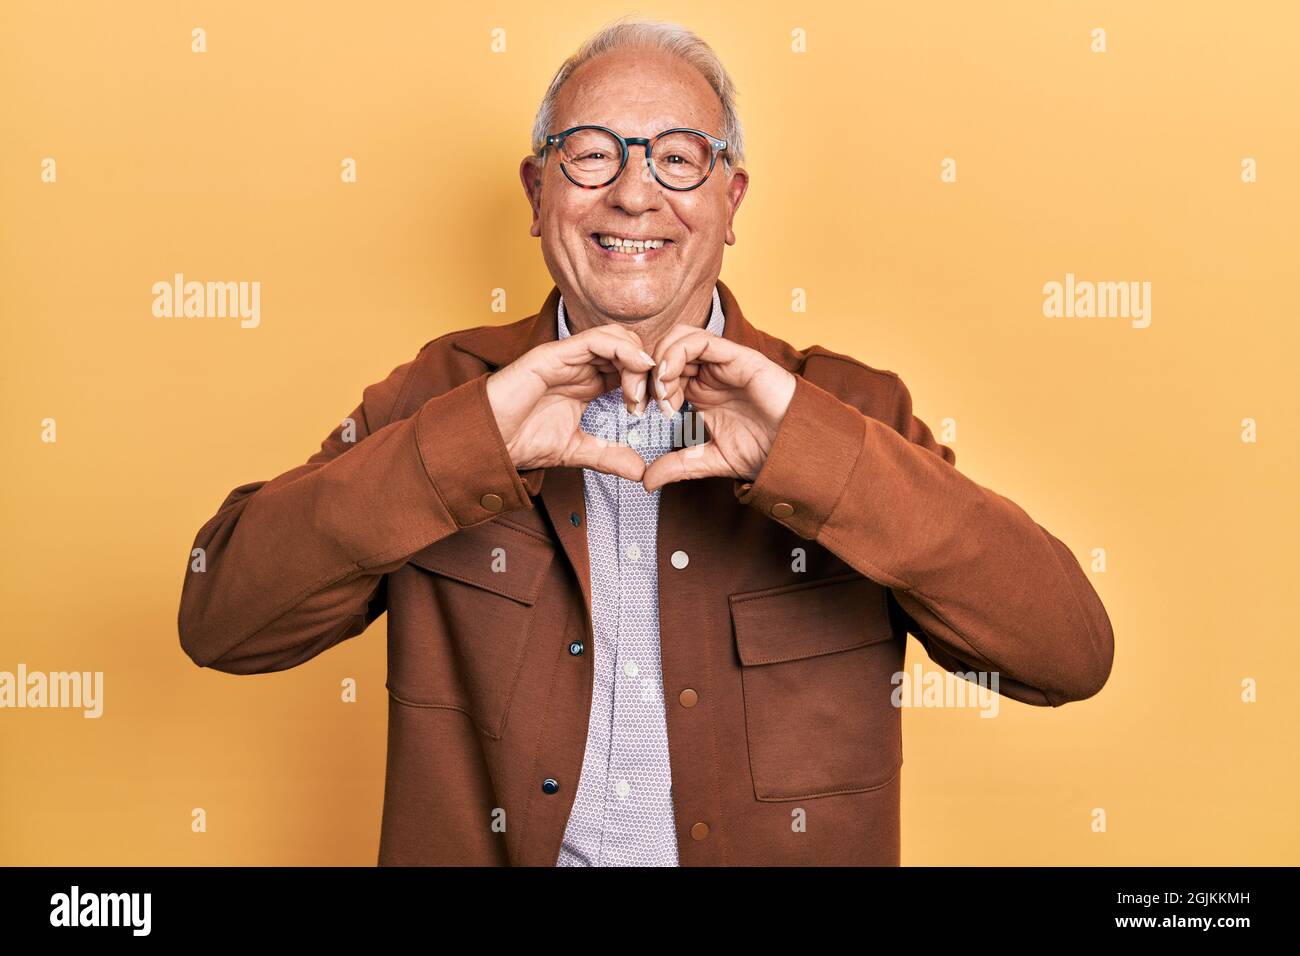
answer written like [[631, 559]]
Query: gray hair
[[671, 37]]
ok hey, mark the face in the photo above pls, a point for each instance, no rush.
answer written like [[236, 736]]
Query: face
[[635, 92]]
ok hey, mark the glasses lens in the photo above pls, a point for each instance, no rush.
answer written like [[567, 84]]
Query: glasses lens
[[682, 159], [591, 156]]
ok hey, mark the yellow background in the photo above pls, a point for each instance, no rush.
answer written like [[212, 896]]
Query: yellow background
[[225, 166]]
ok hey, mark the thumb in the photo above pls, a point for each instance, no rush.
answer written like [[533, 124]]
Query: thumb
[[588, 451], [694, 461]]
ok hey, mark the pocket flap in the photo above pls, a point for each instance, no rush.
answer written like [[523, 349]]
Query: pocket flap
[[808, 619], [494, 556]]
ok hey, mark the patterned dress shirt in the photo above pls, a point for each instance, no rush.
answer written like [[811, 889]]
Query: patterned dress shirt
[[623, 810]]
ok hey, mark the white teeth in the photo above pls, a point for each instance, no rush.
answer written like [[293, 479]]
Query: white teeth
[[629, 245]]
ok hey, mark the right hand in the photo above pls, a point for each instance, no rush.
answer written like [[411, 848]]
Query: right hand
[[538, 400]]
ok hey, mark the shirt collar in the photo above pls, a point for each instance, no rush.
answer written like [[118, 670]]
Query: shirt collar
[[499, 345], [716, 324]]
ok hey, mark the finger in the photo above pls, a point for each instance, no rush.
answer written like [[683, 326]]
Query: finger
[[665, 397], [610, 344], [670, 397], [611, 376], [661, 349], [673, 335], [621, 348], [588, 451], [675, 394], [687, 353], [697, 348], [695, 461], [689, 371], [637, 395]]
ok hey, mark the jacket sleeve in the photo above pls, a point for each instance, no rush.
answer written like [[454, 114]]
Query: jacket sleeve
[[981, 584], [292, 566]]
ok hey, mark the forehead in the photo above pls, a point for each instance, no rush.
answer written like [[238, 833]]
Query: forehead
[[638, 91]]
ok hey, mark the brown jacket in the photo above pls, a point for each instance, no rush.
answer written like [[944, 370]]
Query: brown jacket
[[777, 682]]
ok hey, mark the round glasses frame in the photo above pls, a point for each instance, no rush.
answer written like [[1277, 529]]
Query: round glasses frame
[[716, 146]]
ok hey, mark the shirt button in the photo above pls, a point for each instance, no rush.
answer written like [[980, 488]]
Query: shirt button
[[630, 669], [688, 698], [782, 510], [491, 502], [550, 785], [634, 437], [699, 831], [633, 552], [680, 559], [575, 519], [622, 788], [576, 648]]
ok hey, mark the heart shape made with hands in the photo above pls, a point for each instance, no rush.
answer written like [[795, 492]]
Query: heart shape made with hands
[[740, 395]]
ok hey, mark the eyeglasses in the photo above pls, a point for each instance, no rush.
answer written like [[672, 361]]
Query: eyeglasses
[[595, 156]]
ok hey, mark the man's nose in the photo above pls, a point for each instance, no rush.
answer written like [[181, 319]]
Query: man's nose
[[636, 187]]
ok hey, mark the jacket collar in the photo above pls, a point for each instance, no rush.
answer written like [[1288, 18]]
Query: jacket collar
[[499, 345]]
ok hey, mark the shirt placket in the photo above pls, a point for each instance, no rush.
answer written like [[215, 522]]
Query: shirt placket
[[638, 720], [606, 615]]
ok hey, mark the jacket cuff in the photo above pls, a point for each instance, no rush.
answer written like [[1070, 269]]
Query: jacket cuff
[[465, 456], [809, 464]]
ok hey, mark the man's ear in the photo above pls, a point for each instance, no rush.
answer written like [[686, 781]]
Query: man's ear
[[737, 183], [530, 174]]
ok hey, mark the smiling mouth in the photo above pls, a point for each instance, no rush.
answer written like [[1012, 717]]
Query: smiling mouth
[[621, 247]]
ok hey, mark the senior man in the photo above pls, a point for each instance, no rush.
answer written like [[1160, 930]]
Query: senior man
[[649, 571]]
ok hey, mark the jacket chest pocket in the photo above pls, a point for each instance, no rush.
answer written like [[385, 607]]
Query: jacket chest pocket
[[817, 664], [461, 616]]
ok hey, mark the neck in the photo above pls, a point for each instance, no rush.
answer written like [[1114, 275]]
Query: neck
[[696, 311]]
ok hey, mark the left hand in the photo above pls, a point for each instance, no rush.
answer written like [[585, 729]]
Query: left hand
[[740, 394]]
